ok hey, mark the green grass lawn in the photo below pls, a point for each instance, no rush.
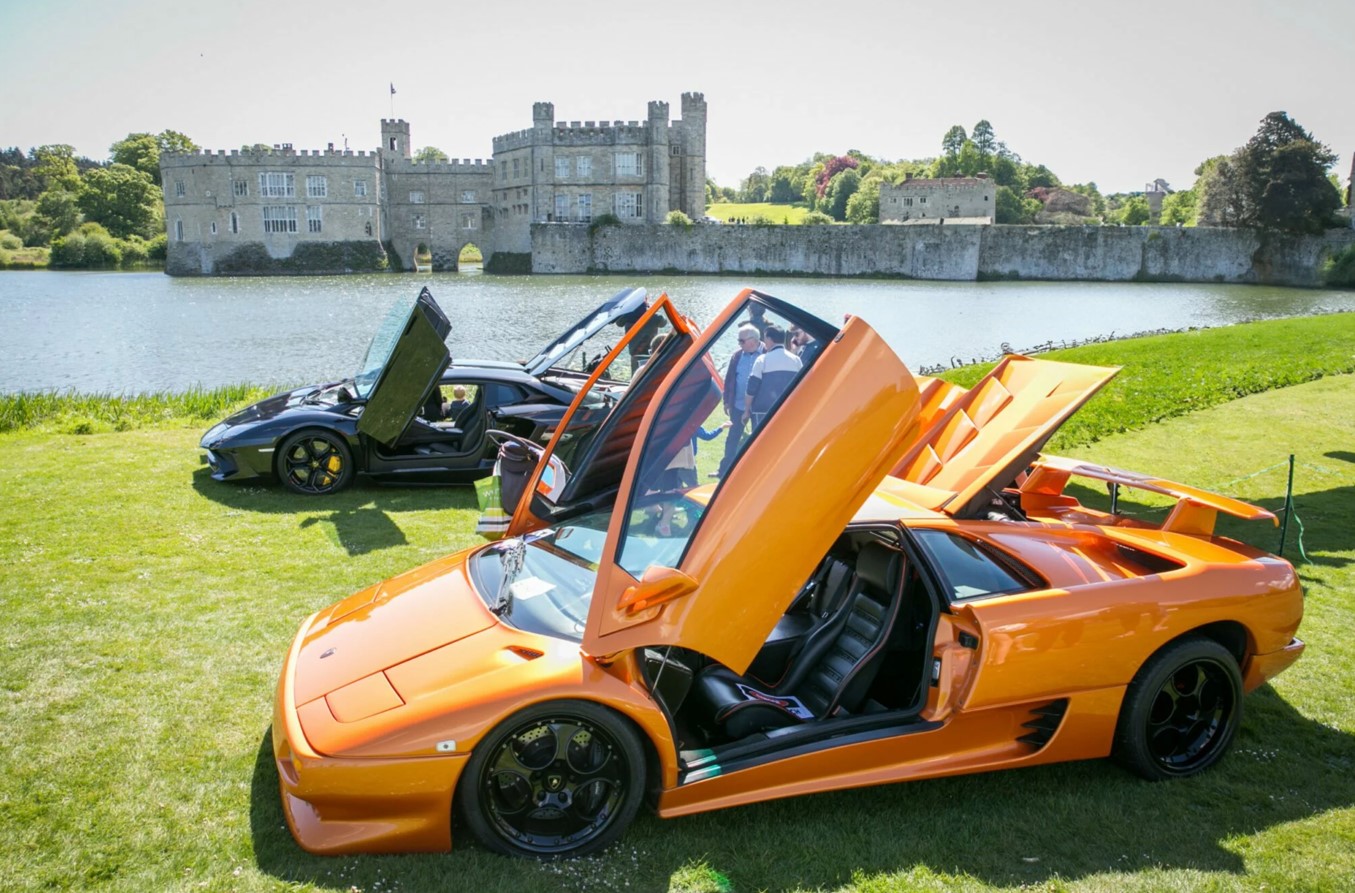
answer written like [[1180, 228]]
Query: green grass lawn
[[148, 609], [777, 214]]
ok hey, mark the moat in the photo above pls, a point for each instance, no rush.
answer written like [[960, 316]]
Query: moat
[[139, 332]]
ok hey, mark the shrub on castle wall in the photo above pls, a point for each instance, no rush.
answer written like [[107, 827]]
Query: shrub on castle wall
[[509, 262], [308, 258], [1338, 270]]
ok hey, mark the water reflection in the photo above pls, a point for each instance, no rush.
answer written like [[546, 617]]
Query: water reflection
[[132, 332]]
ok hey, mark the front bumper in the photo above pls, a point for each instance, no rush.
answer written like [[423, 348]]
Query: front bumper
[[336, 806]]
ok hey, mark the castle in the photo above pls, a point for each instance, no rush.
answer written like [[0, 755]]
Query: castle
[[258, 210]]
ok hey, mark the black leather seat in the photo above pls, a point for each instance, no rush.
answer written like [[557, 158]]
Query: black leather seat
[[830, 676]]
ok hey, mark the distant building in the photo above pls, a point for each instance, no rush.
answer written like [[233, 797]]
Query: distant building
[[1155, 192], [278, 210], [950, 200]]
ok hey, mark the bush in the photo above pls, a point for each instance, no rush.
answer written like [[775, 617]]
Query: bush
[[603, 220], [677, 218], [816, 218], [1338, 271], [9, 241], [158, 247], [135, 250]]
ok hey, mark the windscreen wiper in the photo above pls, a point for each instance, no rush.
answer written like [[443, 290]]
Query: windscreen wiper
[[512, 554]]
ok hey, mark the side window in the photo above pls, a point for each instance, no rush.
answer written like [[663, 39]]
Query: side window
[[502, 395], [719, 404], [968, 569]]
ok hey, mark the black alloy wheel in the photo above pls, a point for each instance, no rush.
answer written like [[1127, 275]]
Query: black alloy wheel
[[315, 463], [560, 779], [1181, 711]]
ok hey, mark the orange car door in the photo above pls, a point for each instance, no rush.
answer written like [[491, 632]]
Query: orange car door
[[720, 579]]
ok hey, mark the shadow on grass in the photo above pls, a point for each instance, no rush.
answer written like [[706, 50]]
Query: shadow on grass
[[358, 519], [1008, 828]]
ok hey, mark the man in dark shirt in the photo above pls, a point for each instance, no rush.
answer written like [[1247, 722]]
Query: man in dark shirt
[[736, 393]]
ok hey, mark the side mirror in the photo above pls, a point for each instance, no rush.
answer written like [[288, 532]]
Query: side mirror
[[657, 585]]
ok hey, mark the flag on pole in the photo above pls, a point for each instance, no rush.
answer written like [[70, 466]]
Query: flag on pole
[[392, 89]]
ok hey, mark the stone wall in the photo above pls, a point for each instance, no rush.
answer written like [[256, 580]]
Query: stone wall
[[942, 252]]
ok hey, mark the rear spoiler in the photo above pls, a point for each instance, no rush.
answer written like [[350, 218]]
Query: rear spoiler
[[1195, 512]]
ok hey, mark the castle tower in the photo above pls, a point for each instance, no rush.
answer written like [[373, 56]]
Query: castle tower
[[689, 177], [543, 115], [395, 138], [658, 194]]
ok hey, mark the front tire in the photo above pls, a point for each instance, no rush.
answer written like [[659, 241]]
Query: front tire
[[315, 463], [1181, 712], [561, 779]]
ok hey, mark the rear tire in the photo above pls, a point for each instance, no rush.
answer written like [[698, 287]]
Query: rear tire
[[1181, 712]]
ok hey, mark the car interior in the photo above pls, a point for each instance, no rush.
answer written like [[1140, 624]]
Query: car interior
[[854, 647], [448, 424]]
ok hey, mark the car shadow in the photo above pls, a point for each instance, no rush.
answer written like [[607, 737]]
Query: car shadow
[[1028, 827], [359, 519]]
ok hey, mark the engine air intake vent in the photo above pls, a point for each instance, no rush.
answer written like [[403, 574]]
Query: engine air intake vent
[[1043, 723]]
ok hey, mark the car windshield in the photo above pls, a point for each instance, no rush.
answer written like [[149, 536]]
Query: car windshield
[[550, 593], [383, 344], [621, 310]]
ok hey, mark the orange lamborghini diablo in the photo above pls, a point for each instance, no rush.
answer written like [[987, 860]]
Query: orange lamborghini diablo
[[887, 581]]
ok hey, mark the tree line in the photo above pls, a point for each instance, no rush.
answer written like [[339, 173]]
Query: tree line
[[1281, 179], [87, 213]]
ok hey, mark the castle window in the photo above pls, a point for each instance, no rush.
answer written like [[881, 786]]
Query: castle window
[[517, 167], [178, 230], [416, 196], [276, 185], [468, 221], [240, 187], [586, 207], [468, 196], [562, 165], [585, 166], [317, 186], [677, 150], [359, 188], [213, 227], [235, 220], [279, 218], [628, 164], [561, 207], [178, 188], [395, 144], [368, 227], [314, 222], [419, 222], [628, 205]]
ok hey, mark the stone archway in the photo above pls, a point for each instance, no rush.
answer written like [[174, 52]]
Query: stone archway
[[470, 257], [422, 258]]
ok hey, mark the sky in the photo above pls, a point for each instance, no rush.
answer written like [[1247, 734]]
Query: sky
[[1111, 92]]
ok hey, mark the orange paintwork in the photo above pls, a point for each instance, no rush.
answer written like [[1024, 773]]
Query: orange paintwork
[[385, 695]]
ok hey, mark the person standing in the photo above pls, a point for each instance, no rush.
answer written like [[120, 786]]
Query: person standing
[[772, 373], [736, 393]]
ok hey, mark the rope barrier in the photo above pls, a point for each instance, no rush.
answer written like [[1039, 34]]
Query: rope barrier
[[1285, 512]]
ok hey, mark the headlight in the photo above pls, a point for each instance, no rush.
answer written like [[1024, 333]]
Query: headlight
[[214, 434]]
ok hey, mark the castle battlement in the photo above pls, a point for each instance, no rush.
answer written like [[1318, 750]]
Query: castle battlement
[[587, 133], [451, 166], [335, 157]]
